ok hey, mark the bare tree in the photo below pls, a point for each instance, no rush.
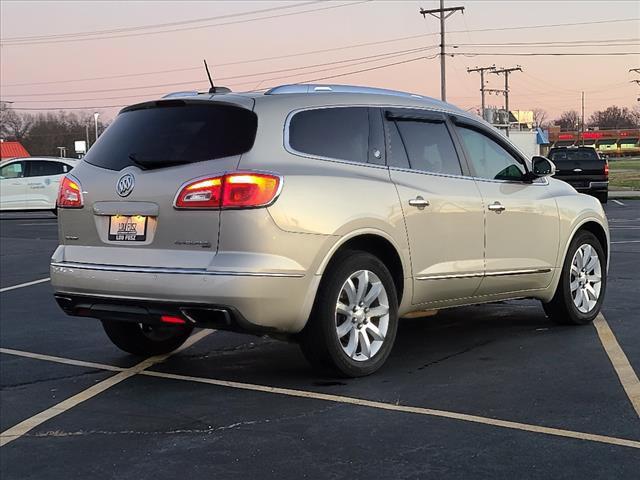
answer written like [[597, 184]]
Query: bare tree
[[539, 117], [14, 125], [615, 117], [569, 120]]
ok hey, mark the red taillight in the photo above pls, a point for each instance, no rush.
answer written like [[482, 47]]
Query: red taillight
[[606, 169], [172, 319], [233, 190], [69, 193]]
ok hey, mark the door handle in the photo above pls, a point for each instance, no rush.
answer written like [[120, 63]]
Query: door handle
[[497, 207], [419, 202]]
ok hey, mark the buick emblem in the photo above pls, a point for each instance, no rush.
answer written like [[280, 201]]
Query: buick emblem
[[125, 185]]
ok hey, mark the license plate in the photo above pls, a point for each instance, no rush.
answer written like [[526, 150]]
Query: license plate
[[125, 228]]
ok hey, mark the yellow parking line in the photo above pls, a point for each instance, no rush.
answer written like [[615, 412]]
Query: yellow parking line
[[25, 426], [22, 428], [28, 284], [66, 361], [402, 408], [620, 362]]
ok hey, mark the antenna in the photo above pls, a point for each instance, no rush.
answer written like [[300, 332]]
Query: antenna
[[213, 87]]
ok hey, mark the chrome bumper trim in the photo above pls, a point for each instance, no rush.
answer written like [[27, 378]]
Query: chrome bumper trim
[[179, 271], [527, 271]]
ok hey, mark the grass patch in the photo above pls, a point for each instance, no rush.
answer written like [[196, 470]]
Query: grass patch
[[625, 173]]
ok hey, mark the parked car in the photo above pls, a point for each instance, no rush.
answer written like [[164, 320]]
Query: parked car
[[318, 213], [32, 183], [582, 168]]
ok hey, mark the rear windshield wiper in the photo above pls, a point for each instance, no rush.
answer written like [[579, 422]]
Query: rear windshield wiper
[[146, 164]]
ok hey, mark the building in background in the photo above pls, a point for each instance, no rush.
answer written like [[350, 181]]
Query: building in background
[[12, 150], [613, 142]]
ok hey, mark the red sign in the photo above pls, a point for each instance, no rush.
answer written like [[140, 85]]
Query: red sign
[[566, 136], [592, 135]]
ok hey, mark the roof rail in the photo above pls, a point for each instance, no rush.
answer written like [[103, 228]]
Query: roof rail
[[316, 88]]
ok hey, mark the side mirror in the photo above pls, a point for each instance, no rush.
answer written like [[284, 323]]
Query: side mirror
[[542, 167]]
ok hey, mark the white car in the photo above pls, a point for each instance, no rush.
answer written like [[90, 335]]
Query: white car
[[32, 183]]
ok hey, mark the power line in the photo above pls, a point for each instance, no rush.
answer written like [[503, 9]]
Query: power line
[[541, 54], [174, 84], [157, 25], [521, 27], [261, 59], [199, 27], [481, 70], [265, 88]]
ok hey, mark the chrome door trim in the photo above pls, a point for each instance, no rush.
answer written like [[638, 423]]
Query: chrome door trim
[[168, 270], [526, 271]]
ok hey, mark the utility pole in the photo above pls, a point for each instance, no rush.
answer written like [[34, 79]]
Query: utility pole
[[482, 89], [442, 14], [582, 121], [506, 72]]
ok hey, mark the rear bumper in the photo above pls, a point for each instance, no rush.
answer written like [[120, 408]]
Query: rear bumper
[[253, 302]]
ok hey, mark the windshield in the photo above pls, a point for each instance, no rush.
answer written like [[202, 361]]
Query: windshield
[[174, 133], [577, 154]]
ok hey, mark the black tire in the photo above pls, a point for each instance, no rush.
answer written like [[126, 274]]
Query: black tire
[[146, 340], [319, 340], [561, 309], [603, 196]]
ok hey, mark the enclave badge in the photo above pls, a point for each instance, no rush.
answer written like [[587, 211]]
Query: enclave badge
[[125, 185]]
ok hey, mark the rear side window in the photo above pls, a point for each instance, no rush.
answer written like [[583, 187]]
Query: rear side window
[[42, 168], [429, 147], [340, 133], [174, 133]]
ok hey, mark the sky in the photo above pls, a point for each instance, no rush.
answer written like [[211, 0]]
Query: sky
[[247, 54]]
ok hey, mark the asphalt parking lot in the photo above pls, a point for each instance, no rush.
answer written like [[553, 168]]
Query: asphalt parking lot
[[492, 391]]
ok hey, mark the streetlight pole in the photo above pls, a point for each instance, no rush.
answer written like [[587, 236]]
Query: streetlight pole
[[95, 119]]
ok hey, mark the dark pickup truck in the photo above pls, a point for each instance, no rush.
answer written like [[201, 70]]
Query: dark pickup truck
[[583, 169]]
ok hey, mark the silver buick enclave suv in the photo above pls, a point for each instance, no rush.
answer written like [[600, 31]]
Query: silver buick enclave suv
[[318, 213]]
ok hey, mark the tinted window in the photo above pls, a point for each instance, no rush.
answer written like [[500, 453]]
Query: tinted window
[[579, 154], [42, 168], [174, 133], [489, 159], [341, 133], [397, 155], [13, 170], [429, 147]]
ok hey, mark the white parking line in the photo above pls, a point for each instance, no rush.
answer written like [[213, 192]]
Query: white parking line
[[618, 202], [28, 284], [25, 426], [620, 362]]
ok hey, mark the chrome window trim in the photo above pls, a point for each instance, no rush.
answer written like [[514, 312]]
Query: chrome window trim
[[543, 181], [424, 172], [526, 271], [169, 270]]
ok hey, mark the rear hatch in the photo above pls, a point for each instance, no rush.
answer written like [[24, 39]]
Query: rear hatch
[[130, 179], [578, 166]]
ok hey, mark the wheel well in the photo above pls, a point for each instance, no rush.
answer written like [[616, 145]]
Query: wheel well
[[598, 231], [384, 250]]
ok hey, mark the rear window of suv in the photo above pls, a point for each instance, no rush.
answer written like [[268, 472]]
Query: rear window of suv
[[573, 155], [338, 133], [175, 132]]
